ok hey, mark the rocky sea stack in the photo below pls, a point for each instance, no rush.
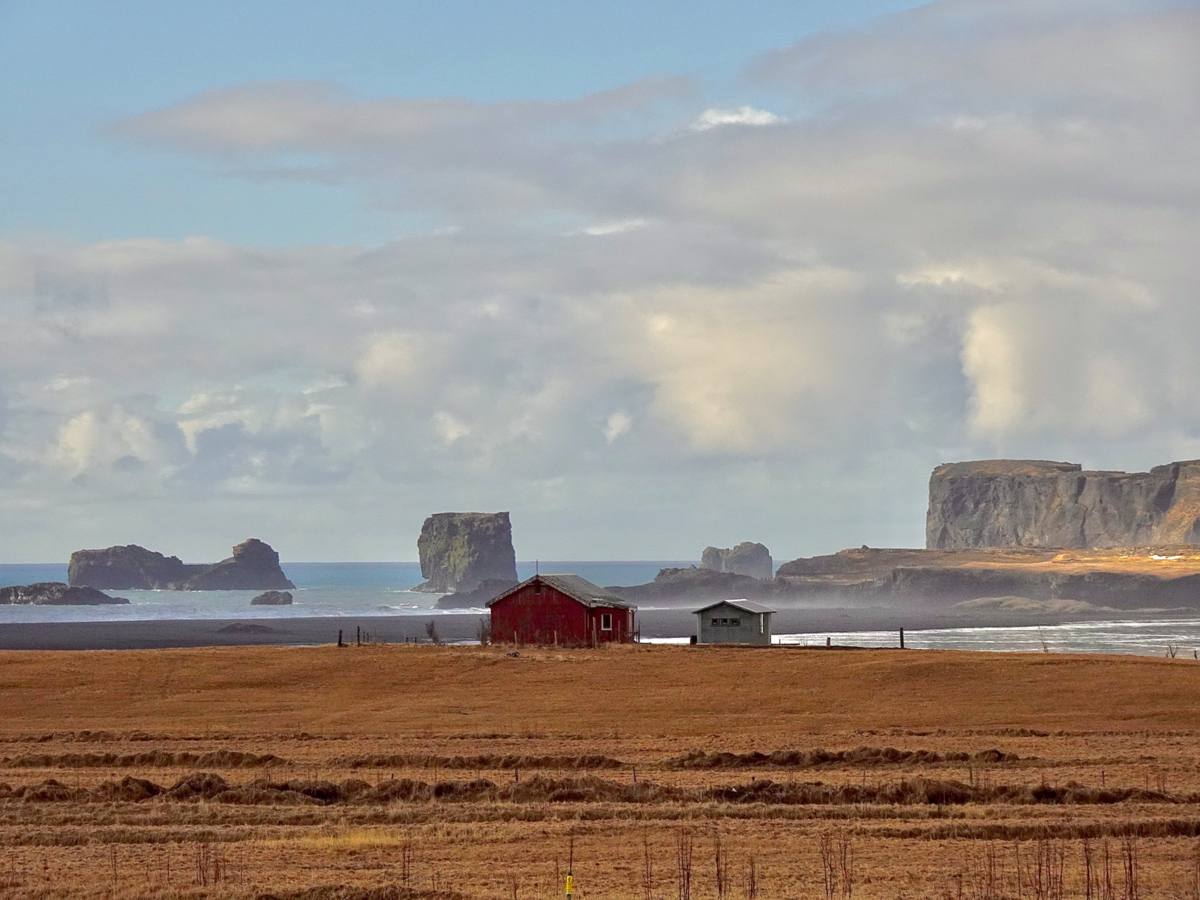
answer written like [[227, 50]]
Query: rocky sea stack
[[1032, 503], [253, 566], [459, 551], [747, 558], [55, 593], [273, 598]]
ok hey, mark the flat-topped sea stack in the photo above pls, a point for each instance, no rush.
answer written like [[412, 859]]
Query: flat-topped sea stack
[[1031, 503], [55, 593], [747, 558], [125, 568], [460, 551], [254, 565]]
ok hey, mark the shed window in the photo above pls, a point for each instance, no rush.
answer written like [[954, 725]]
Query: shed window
[[735, 623], [606, 621]]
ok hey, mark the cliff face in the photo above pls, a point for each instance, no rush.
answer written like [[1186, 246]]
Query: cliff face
[[459, 551], [253, 566], [747, 558], [1022, 503]]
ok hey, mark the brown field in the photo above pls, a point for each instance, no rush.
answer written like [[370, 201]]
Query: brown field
[[419, 771]]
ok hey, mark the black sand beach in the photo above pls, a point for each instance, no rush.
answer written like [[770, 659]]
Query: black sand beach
[[655, 623]]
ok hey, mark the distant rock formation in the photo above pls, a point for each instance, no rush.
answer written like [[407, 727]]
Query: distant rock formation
[[253, 566], [459, 551], [747, 558], [477, 597], [693, 585], [1029, 503], [55, 593], [273, 598], [128, 567]]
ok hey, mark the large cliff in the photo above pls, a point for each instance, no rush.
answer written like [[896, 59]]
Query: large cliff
[[1028, 503], [459, 551]]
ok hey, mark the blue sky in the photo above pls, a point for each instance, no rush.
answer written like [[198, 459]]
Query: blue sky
[[649, 276], [85, 65]]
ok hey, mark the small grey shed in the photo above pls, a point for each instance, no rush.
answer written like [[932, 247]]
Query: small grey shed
[[734, 622]]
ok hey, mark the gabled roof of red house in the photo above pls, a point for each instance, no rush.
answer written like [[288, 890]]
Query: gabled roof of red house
[[575, 587]]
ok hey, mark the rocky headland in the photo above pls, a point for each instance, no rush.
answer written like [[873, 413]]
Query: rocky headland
[[1125, 578], [1031, 503], [461, 551], [747, 558], [254, 565], [55, 593]]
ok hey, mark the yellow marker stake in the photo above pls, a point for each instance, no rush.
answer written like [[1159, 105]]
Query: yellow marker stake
[[570, 885]]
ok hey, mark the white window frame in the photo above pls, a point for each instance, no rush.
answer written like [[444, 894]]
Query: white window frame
[[606, 622]]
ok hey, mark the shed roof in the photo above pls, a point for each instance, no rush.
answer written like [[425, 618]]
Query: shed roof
[[575, 587], [749, 606]]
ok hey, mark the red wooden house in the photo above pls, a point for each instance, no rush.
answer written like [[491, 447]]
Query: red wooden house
[[561, 609]]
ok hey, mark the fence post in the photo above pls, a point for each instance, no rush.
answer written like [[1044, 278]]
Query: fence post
[[901, 638]]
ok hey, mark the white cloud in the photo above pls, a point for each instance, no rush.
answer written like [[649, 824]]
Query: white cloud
[[389, 360], [449, 427], [715, 117], [992, 360], [99, 440], [620, 226], [617, 425]]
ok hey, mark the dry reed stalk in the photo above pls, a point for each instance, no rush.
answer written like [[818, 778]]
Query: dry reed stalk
[[683, 864], [720, 866], [837, 864], [752, 882], [1130, 862], [647, 869]]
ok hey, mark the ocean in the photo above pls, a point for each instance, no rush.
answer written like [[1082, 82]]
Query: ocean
[[322, 589], [384, 589]]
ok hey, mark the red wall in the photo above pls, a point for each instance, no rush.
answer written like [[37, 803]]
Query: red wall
[[529, 617]]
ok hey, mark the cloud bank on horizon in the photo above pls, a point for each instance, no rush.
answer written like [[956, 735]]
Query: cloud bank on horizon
[[644, 319]]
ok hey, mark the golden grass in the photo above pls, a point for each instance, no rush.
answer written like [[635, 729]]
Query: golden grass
[[887, 734], [621, 690]]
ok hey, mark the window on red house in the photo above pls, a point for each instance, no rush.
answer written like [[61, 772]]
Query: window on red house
[[606, 621]]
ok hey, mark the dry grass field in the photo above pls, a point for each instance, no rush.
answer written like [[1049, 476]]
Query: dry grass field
[[666, 772]]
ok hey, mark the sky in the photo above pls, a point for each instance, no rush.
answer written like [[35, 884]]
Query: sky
[[649, 276]]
